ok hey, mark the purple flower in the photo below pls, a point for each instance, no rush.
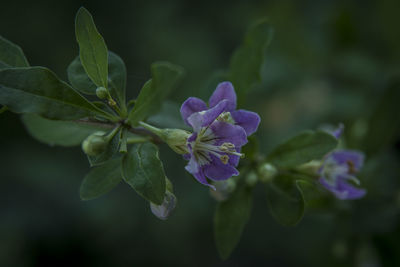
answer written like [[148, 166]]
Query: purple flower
[[219, 131], [337, 173]]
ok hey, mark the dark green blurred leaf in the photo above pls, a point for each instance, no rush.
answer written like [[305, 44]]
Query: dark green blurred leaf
[[92, 48], [62, 133], [165, 78], [302, 149], [143, 170], [230, 218], [11, 55], [110, 151], [116, 77], [384, 124], [247, 60], [285, 201], [168, 116], [100, 180], [251, 149], [38, 90]]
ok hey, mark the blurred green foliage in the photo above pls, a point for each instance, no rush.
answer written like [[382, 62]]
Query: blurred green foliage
[[329, 62]]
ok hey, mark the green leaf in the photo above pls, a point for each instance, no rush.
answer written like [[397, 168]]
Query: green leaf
[[38, 90], [285, 200], [168, 116], [247, 60], [302, 148], [11, 55], [62, 133], [116, 77], [384, 123], [100, 180], [110, 152], [92, 48], [230, 219], [165, 78], [143, 170]]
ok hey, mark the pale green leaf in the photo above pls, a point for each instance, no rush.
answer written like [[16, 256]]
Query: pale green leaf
[[143, 170], [92, 48], [11, 55]]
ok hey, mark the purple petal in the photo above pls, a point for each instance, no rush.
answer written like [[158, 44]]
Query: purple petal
[[198, 173], [190, 106], [346, 156], [224, 91], [206, 117], [339, 131], [344, 190], [216, 170], [226, 132], [248, 120]]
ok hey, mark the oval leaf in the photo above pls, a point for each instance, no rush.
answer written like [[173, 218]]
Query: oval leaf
[[62, 133], [230, 219], [143, 170], [92, 48], [165, 78], [11, 55], [302, 148], [38, 90], [101, 180], [247, 60], [285, 201]]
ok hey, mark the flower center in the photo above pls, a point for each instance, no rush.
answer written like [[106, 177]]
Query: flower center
[[332, 171], [204, 146]]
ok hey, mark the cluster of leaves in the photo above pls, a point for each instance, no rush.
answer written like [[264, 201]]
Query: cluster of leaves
[[57, 113]]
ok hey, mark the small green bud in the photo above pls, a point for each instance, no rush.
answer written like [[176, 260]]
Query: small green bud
[[102, 93], [164, 210], [176, 139], [267, 172], [223, 189], [94, 144], [251, 179]]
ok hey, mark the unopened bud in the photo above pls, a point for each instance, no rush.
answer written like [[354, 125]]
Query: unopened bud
[[251, 179], [176, 139], [222, 189], [164, 210], [102, 92], [94, 144], [267, 172]]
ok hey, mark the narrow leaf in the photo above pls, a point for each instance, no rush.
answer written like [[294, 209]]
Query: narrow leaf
[[247, 60], [143, 170], [38, 90], [165, 78], [62, 133], [11, 55], [302, 148], [92, 48], [230, 218], [285, 201], [100, 180]]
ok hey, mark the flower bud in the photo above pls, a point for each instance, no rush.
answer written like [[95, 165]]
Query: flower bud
[[222, 189], [94, 144], [267, 172], [102, 92], [176, 139], [163, 211], [251, 179]]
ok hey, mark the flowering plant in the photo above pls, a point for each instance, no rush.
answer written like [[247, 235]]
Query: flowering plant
[[122, 143]]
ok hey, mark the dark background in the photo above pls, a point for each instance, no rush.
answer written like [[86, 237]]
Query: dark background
[[329, 62]]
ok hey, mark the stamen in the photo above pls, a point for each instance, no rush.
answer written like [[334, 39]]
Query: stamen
[[224, 159]]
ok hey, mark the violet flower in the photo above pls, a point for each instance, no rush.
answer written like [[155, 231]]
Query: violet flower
[[337, 172], [219, 132]]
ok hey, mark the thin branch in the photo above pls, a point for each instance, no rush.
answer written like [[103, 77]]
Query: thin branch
[[108, 125]]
